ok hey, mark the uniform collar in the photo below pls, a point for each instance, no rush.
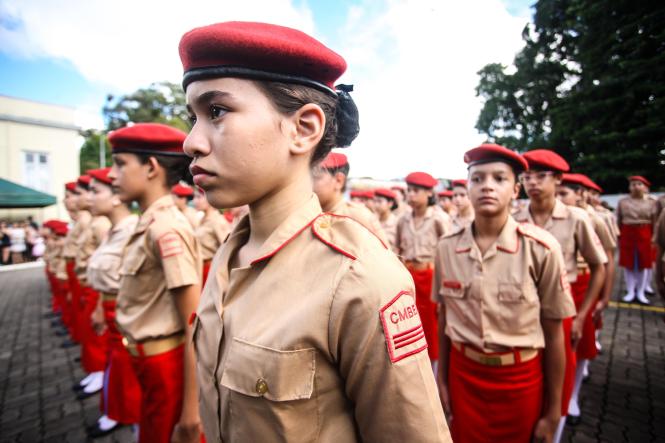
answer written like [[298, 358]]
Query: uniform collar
[[429, 212], [507, 241], [149, 215], [560, 210], [131, 219]]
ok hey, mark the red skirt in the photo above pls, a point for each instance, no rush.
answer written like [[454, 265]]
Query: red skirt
[[494, 403], [635, 242], [206, 270], [161, 380], [75, 304], [121, 397], [586, 347], [571, 366], [94, 347], [427, 309]]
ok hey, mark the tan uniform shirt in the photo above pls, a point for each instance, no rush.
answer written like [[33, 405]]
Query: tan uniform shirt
[[659, 233], [461, 222], [633, 211], [211, 233], [419, 243], [300, 346], [161, 254], [192, 216], [573, 230], [59, 262], [90, 239], [389, 226], [360, 213], [606, 238], [495, 302], [103, 272], [610, 220], [83, 219]]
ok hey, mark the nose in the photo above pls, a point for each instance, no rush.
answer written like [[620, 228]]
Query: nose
[[196, 144]]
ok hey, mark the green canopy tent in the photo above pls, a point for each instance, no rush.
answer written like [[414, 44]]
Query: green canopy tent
[[13, 195]]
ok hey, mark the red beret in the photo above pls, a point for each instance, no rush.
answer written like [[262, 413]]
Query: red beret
[[83, 180], [489, 152], [334, 160], [639, 178], [101, 174], [49, 223], [422, 179], [357, 193], [591, 184], [383, 192], [70, 186], [446, 193], [460, 182], [546, 159], [258, 51], [368, 193], [148, 138], [182, 191], [573, 179], [60, 227]]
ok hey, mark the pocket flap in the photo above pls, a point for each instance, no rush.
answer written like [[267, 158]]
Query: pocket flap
[[452, 288], [131, 265], [511, 293], [258, 371]]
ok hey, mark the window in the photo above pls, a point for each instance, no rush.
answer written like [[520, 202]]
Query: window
[[37, 171]]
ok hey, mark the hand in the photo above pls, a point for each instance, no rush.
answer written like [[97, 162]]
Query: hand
[[445, 399], [576, 330], [97, 319], [187, 432], [545, 428], [598, 312]]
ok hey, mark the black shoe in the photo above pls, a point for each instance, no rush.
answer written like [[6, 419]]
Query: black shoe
[[77, 359], [61, 333], [573, 420], [49, 315], [96, 432], [77, 387], [82, 395], [68, 344], [56, 323]]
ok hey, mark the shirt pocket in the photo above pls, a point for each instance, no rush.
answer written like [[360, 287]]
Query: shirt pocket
[[132, 264], [518, 310], [453, 289], [271, 392]]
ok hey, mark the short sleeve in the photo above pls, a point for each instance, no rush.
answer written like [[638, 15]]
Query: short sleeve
[[556, 300], [179, 256], [588, 242], [438, 270]]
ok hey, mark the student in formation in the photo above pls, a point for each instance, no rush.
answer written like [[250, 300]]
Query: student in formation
[[67, 245], [211, 232], [121, 395], [636, 215], [463, 208], [94, 350], [503, 293], [400, 197], [160, 281], [330, 184], [446, 202], [385, 202], [182, 195], [659, 241], [418, 232], [573, 230], [305, 333]]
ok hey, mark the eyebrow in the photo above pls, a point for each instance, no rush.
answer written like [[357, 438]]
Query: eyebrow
[[209, 96]]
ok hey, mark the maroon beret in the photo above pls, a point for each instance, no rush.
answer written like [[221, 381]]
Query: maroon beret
[[258, 51], [459, 182], [639, 178], [422, 179], [383, 192], [83, 180], [148, 138], [446, 193], [101, 175], [182, 191], [489, 152], [334, 160], [70, 186], [546, 159]]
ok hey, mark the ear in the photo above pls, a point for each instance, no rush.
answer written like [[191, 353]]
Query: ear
[[340, 180], [115, 201], [516, 190], [309, 123], [153, 167]]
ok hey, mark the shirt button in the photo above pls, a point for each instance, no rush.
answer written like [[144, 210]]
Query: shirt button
[[261, 386], [324, 225]]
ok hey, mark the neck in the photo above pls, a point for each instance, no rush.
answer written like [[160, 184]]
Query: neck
[[267, 213], [118, 214], [332, 203], [464, 212], [383, 216], [150, 196], [543, 205], [419, 211], [489, 227]]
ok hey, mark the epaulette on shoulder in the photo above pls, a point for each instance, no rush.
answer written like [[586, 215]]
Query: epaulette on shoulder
[[458, 230], [538, 234], [344, 234]]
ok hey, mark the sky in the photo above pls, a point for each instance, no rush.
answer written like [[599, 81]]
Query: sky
[[413, 63]]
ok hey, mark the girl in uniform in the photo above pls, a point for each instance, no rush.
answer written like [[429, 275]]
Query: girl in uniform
[[385, 202], [308, 332], [160, 281], [636, 215], [211, 232], [503, 294], [121, 395], [463, 208], [182, 195]]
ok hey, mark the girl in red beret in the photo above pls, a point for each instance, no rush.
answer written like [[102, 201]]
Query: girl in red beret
[[307, 329], [464, 210]]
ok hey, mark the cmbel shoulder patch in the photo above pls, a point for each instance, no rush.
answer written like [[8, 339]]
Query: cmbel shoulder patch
[[402, 327], [170, 244]]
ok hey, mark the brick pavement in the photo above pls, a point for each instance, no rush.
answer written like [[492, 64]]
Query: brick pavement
[[623, 400]]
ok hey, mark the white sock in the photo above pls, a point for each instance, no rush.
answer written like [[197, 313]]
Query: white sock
[[641, 285], [598, 345], [435, 367], [559, 430], [629, 276], [574, 406], [86, 379], [136, 430], [585, 373], [95, 383], [649, 278], [106, 423]]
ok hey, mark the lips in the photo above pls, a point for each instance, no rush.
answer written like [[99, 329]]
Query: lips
[[200, 175]]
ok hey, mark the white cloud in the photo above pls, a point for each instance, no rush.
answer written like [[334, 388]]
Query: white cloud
[[413, 64], [414, 69]]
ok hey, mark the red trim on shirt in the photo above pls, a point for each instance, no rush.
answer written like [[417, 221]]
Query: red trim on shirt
[[279, 248]]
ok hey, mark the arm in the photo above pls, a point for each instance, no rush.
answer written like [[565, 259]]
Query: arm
[[189, 426], [553, 369], [593, 291], [444, 354], [604, 299]]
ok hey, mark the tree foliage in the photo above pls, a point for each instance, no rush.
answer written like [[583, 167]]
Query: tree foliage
[[589, 83]]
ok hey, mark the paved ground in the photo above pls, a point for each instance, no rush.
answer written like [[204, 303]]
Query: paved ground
[[623, 400]]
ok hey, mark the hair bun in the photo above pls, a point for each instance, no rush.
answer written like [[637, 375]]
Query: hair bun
[[348, 125]]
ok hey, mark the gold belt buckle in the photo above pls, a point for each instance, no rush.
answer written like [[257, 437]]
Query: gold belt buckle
[[490, 360]]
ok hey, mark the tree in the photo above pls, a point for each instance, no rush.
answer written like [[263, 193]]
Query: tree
[[89, 154], [589, 83]]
